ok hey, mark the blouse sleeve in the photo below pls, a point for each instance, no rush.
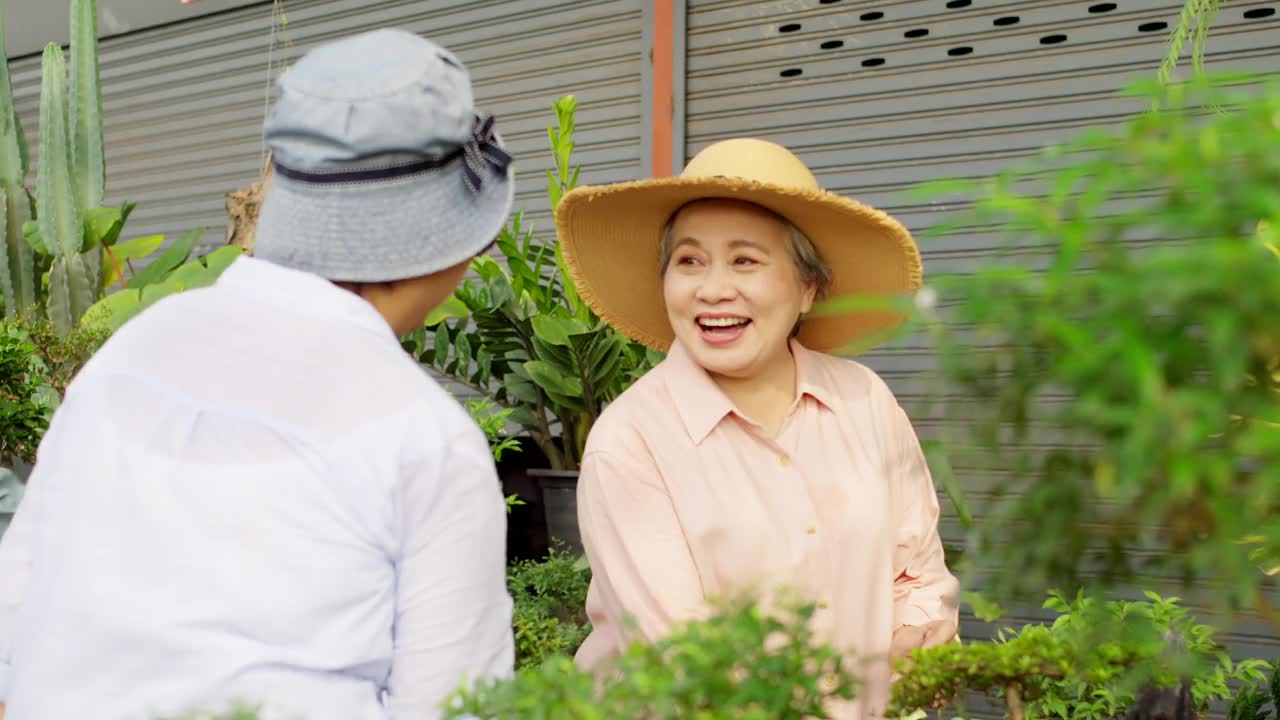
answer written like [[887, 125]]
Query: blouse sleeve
[[642, 568], [924, 589]]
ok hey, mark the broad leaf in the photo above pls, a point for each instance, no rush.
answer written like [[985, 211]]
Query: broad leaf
[[452, 307], [169, 260], [556, 330], [553, 380]]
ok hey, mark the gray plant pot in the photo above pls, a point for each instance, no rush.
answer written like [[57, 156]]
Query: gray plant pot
[[12, 487], [559, 489]]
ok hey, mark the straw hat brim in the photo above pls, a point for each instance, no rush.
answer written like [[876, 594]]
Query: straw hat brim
[[610, 237]]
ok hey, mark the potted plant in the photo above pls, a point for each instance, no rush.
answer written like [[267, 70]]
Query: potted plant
[[518, 334]]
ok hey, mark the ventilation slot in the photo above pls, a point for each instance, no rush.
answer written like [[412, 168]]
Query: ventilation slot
[[832, 45], [790, 28], [917, 33], [869, 16], [1259, 13], [828, 2], [1053, 39], [1102, 8], [873, 62], [791, 72], [1006, 21], [957, 4], [1156, 26], [960, 51]]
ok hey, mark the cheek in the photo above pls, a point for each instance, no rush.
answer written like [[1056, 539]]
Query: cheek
[[676, 293]]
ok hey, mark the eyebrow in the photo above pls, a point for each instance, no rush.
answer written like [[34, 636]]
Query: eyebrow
[[733, 244]]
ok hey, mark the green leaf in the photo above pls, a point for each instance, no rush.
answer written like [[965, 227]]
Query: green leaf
[[555, 330], [135, 249], [174, 256], [114, 310], [521, 389], [554, 382], [101, 226], [441, 345], [462, 347], [31, 233], [452, 307]]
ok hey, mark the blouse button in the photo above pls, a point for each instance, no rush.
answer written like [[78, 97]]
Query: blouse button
[[785, 461], [822, 605], [812, 529]]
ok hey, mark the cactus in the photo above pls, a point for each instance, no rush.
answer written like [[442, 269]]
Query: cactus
[[19, 290], [88, 160], [75, 274]]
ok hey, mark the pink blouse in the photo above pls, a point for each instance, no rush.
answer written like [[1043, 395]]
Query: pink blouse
[[682, 499]]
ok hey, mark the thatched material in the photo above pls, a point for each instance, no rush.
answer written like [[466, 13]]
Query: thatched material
[[242, 211]]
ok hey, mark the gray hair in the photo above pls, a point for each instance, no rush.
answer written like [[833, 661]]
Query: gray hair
[[813, 270]]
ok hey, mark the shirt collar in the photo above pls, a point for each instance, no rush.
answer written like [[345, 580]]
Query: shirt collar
[[701, 403], [302, 292]]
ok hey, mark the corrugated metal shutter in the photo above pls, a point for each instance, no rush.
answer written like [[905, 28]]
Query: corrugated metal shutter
[[879, 96], [184, 103]]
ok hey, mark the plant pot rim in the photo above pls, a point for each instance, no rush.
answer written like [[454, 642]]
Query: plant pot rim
[[549, 473]]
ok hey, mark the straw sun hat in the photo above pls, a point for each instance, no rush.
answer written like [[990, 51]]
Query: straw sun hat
[[610, 237]]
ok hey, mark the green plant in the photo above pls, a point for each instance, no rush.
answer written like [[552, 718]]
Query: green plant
[[493, 421], [1155, 316], [61, 255], [550, 597], [518, 333], [1251, 702], [19, 288], [741, 664], [1087, 665], [24, 416]]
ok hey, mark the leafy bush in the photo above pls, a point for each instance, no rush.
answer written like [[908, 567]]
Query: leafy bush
[[23, 415], [1087, 665], [1251, 703], [550, 598], [741, 664], [1154, 318]]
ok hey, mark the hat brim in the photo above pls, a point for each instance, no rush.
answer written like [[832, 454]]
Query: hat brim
[[381, 231], [610, 237]]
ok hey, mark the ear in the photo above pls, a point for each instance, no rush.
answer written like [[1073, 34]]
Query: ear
[[808, 298]]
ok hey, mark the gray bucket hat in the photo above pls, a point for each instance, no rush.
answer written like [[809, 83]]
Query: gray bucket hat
[[384, 170]]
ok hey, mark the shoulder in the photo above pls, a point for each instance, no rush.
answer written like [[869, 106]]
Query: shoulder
[[624, 426], [850, 379]]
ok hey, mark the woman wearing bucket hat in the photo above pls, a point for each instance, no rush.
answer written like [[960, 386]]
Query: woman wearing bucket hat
[[251, 493], [749, 459]]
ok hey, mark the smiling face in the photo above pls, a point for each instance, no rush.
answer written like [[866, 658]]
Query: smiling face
[[732, 287]]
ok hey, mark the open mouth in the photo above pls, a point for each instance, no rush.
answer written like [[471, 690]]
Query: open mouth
[[721, 329]]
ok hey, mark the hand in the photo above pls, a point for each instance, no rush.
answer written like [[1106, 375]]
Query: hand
[[910, 637]]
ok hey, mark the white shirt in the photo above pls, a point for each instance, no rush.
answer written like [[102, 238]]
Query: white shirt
[[252, 493]]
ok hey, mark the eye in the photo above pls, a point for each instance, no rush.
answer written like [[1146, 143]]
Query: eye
[[745, 261], [685, 260]]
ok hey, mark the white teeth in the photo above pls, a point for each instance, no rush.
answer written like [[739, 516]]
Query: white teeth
[[722, 322]]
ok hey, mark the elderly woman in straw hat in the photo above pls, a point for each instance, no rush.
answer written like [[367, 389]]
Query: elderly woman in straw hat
[[750, 459]]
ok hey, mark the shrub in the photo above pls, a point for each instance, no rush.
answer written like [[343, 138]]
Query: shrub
[[740, 664], [550, 596]]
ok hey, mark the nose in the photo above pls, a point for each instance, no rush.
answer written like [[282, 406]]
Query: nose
[[716, 286]]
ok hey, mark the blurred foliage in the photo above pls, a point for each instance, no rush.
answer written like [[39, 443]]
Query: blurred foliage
[[1144, 305], [550, 597]]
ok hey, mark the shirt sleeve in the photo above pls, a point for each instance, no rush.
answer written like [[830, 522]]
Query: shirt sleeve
[[15, 577], [643, 575], [453, 611], [924, 589]]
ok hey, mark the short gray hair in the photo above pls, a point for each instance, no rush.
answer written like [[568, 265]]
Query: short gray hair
[[814, 271]]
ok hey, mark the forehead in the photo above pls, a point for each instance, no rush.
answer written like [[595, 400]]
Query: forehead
[[726, 219]]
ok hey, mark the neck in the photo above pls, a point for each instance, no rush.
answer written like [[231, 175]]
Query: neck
[[766, 396]]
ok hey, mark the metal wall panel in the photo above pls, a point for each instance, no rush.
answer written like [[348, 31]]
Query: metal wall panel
[[184, 103], [879, 96]]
